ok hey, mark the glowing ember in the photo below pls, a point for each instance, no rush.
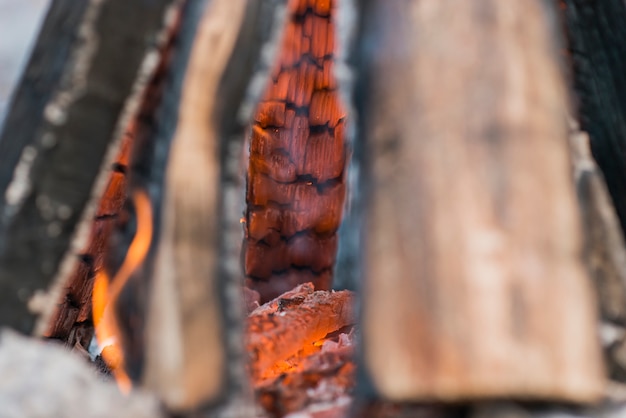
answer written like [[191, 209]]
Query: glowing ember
[[106, 292], [294, 324]]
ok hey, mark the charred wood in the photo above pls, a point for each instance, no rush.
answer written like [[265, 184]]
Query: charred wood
[[72, 105]]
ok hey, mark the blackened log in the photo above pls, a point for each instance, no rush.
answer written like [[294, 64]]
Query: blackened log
[[597, 45], [63, 126], [74, 310], [474, 282]]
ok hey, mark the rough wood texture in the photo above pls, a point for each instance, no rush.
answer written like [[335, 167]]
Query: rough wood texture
[[597, 46], [182, 310], [74, 310], [59, 132], [185, 357], [295, 184], [284, 326], [474, 282]]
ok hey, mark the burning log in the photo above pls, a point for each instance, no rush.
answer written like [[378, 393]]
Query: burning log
[[474, 282], [71, 105], [294, 361], [178, 312], [296, 182]]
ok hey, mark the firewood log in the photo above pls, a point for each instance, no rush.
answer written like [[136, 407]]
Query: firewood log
[[292, 321], [61, 134], [180, 315], [474, 282]]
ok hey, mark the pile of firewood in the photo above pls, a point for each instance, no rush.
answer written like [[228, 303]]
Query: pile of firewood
[[487, 211]]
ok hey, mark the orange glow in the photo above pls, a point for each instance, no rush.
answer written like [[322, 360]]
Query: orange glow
[[106, 292], [293, 364]]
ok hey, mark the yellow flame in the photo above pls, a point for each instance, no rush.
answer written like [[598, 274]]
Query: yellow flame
[[106, 292]]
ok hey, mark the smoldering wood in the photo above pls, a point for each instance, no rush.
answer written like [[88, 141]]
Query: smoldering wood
[[597, 46], [59, 132], [279, 329], [291, 375], [72, 322], [188, 292], [474, 283]]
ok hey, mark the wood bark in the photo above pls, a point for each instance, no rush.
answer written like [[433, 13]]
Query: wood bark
[[64, 124], [474, 282]]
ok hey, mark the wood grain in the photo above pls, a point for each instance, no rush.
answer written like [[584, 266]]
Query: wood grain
[[474, 282]]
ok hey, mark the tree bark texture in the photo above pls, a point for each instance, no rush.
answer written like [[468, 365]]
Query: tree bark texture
[[474, 282], [64, 124]]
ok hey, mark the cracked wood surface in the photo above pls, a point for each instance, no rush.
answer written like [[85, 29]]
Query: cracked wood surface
[[182, 310], [295, 183]]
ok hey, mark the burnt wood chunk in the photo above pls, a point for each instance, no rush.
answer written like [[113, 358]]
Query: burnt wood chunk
[[474, 284], [62, 128], [295, 179], [287, 324]]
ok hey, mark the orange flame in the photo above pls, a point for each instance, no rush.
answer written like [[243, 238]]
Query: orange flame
[[106, 292]]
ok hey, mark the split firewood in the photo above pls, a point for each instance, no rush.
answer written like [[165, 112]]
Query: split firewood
[[474, 282], [75, 307], [179, 312], [282, 327], [61, 134]]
